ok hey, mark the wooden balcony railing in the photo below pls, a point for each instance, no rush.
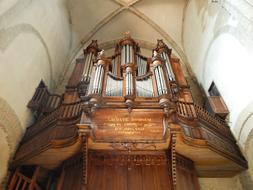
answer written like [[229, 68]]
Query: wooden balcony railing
[[214, 122], [44, 101], [42, 124], [186, 110], [21, 182], [70, 111], [192, 111]]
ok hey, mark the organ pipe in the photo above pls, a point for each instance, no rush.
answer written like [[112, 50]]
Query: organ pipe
[[99, 75], [87, 66], [115, 66], [142, 65], [127, 54], [114, 87], [169, 70], [129, 82], [159, 75], [93, 72], [144, 87]]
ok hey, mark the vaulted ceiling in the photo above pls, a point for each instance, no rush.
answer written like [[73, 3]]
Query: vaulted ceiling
[[147, 20]]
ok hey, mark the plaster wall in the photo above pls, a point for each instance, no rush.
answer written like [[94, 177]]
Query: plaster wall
[[219, 48], [218, 43], [35, 39]]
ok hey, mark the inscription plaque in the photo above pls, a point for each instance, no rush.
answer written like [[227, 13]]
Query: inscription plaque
[[120, 125]]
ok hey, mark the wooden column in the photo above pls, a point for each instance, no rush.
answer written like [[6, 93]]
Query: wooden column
[[84, 131], [13, 179]]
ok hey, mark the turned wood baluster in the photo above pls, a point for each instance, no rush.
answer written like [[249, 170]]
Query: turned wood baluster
[[32, 185], [14, 179]]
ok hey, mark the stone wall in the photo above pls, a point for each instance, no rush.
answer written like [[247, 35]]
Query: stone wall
[[218, 43], [34, 45]]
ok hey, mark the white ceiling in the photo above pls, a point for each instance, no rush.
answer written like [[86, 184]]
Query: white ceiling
[[147, 20]]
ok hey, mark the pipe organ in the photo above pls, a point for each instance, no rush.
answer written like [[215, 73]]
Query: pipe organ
[[116, 65], [128, 117], [130, 70], [127, 54], [142, 65], [88, 66], [114, 85], [159, 75], [144, 87], [99, 75], [169, 70]]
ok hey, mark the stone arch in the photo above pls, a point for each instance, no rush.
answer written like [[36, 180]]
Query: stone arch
[[11, 132], [245, 131], [246, 178], [10, 124]]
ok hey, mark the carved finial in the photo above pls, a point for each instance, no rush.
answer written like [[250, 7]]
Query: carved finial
[[127, 34], [93, 44], [101, 54], [162, 46], [155, 53]]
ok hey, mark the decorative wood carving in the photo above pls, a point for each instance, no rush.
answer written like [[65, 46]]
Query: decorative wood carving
[[129, 122], [120, 125]]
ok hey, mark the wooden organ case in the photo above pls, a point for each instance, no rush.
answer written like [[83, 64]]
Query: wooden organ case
[[125, 122]]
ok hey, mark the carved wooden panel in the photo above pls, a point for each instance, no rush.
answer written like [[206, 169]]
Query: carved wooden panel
[[135, 172], [186, 174], [120, 125], [72, 174]]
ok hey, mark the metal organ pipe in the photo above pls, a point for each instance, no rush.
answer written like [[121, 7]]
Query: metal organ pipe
[[98, 79], [87, 66], [129, 81], [114, 86], [144, 87], [127, 54], [169, 69], [160, 79], [115, 66], [93, 72], [142, 66], [95, 80]]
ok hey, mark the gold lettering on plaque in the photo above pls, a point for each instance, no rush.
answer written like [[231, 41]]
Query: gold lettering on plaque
[[119, 124], [129, 126]]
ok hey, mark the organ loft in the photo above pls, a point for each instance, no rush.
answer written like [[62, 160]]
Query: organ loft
[[124, 122]]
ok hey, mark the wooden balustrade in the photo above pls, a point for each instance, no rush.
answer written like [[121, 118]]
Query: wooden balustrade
[[53, 102], [192, 111], [186, 110], [70, 111], [39, 97], [42, 124], [43, 101], [214, 122], [21, 182]]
